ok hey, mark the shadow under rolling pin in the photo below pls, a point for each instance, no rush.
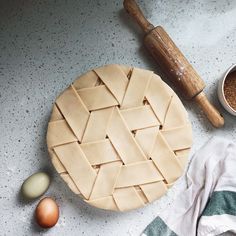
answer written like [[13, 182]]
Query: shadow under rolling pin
[[174, 64]]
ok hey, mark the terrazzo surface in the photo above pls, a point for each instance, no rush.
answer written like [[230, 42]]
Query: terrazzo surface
[[44, 45]]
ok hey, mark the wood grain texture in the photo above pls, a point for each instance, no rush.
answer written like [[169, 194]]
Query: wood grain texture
[[173, 63]]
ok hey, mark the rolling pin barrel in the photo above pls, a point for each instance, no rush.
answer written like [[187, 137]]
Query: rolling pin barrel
[[173, 63]]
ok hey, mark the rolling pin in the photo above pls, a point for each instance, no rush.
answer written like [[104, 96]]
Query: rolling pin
[[174, 64]]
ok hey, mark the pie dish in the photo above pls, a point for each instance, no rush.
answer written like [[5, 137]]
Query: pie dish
[[119, 137]]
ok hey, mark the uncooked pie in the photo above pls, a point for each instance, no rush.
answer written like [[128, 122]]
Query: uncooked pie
[[119, 137]]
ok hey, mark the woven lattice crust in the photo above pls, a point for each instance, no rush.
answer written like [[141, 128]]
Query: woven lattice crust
[[119, 137]]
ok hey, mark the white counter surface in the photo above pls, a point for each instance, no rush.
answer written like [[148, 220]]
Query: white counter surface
[[44, 45]]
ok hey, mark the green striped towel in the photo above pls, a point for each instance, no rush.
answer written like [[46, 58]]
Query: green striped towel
[[207, 206]]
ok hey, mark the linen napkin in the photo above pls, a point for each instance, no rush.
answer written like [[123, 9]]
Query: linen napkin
[[207, 206]]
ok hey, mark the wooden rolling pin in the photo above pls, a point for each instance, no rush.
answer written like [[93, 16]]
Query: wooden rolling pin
[[174, 64]]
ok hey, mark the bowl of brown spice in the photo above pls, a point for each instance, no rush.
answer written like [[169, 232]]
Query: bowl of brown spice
[[227, 90]]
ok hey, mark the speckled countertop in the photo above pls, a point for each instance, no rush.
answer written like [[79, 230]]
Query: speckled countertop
[[44, 45]]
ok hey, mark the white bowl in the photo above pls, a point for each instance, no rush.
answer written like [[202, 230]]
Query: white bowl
[[221, 94]]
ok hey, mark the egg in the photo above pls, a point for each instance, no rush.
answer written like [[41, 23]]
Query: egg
[[47, 213], [35, 185]]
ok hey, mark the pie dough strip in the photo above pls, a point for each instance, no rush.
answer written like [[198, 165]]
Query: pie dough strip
[[126, 69], [173, 120], [56, 162], [86, 80], [146, 139], [165, 160], [74, 111], [107, 203], [182, 156], [59, 133], [127, 199], [122, 139], [154, 191], [178, 138], [66, 177], [78, 167], [138, 173], [184, 152], [94, 132], [159, 96], [141, 194], [137, 86], [139, 117], [56, 114], [106, 179], [99, 152], [115, 79], [183, 160], [97, 97]]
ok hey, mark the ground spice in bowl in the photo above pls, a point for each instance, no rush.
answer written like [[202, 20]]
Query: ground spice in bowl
[[230, 89]]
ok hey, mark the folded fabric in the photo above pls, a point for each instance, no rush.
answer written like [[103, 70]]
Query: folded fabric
[[207, 206]]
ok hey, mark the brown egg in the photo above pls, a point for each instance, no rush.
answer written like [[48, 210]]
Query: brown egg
[[47, 213]]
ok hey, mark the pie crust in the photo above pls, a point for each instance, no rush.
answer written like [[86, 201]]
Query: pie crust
[[119, 137]]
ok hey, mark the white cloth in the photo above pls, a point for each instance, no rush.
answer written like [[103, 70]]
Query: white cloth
[[208, 204]]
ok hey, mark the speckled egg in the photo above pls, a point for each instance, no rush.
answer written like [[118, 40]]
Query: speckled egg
[[47, 213], [35, 185]]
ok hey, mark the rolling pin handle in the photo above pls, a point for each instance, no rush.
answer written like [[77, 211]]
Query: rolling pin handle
[[211, 112], [133, 9]]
